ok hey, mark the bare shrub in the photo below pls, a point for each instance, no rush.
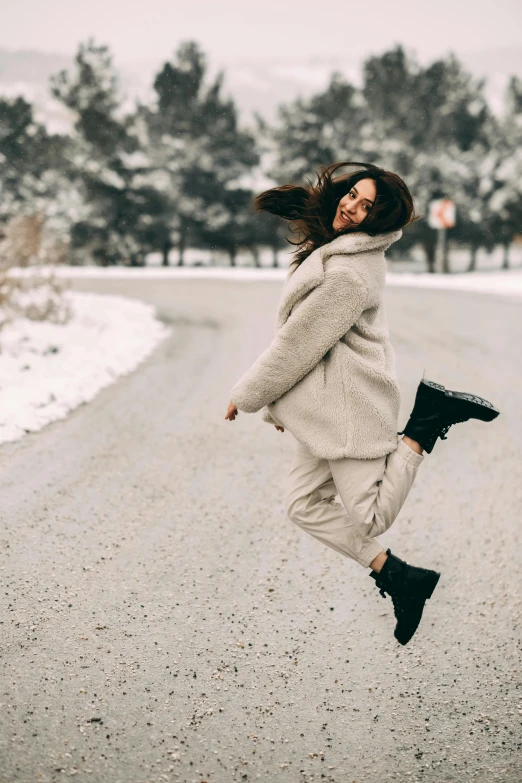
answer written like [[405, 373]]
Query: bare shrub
[[29, 287], [23, 240]]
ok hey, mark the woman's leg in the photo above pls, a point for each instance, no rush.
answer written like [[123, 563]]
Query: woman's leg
[[413, 444], [373, 491], [381, 558], [311, 504]]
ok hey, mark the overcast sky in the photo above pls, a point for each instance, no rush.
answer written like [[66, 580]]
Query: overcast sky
[[231, 30]]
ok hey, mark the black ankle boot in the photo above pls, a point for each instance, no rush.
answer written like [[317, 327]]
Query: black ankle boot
[[409, 588], [436, 409]]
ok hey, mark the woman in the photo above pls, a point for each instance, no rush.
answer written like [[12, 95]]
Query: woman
[[329, 377]]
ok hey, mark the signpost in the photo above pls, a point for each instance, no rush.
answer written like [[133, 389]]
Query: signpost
[[441, 216]]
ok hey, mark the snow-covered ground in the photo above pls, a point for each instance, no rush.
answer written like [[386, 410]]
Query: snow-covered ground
[[503, 282], [413, 261], [47, 370]]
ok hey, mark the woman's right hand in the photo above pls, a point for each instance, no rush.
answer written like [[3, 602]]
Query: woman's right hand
[[281, 429]]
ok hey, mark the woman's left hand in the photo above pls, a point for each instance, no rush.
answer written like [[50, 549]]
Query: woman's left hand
[[232, 411]]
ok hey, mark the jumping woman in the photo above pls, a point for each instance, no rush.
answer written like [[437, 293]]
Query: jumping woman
[[329, 377]]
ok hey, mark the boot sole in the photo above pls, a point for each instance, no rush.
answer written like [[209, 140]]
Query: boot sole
[[432, 385], [479, 407], [482, 409]]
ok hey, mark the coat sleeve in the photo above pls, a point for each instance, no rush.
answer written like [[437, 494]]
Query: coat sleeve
[[265, 415], [315, 325]]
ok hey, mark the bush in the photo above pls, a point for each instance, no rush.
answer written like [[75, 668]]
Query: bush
[[28, 286]]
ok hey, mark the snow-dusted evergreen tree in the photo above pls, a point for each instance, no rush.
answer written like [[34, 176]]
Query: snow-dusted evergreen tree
[[389, 92], [435, 119], [199, 155], [314, 132], [265, 230], [107, 160], [30, 180], [32, 162], [501, 171]]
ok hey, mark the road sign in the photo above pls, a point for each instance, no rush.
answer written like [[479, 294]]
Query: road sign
[[441, 213]]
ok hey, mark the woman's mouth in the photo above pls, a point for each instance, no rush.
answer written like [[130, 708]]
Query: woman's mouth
[[345, 218]]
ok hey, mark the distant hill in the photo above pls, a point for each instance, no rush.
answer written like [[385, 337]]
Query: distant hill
[[27, 73], [256, 86], [29, 66]]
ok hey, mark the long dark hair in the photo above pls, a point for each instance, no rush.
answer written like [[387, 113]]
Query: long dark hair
[[311, 210]]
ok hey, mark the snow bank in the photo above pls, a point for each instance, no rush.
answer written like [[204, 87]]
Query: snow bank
[[47, 370], [503, 282]]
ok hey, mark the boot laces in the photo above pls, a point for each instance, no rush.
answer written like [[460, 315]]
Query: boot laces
[[443, 434], [444, 429], [398, 607]]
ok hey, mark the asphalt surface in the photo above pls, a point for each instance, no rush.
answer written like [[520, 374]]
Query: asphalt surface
[[162, 620]]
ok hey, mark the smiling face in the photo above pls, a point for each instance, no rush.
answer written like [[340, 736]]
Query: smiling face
[[353, 208]]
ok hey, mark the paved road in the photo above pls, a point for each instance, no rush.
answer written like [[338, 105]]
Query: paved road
[[162, 620]]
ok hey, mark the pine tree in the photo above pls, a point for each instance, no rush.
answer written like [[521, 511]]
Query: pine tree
[[314, 132], [431, 125], [199, 154], [29, 156], [33, 182], [502, 171], [108, 161]]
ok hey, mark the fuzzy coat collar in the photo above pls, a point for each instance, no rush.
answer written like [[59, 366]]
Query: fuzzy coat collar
[[310, 273]]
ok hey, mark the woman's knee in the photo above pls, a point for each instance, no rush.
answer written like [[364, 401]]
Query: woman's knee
[[291, 505], [295, 507]]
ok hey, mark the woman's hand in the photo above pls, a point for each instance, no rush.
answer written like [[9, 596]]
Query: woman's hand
[[232, 411]]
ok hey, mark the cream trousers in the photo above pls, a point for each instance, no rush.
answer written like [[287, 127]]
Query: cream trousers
[[372, 492]]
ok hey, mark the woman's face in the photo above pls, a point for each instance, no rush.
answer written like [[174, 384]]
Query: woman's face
[[353, 208]]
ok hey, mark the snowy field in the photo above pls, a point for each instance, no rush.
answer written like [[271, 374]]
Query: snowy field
[[47, 370]]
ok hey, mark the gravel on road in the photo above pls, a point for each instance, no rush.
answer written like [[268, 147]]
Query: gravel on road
[[163, 621]]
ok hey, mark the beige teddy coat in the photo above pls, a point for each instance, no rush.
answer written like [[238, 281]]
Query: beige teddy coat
[[328, 375]]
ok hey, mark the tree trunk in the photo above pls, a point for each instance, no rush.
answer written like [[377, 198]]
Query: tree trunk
[[505, 260], [167, 247], [275, 257], [430, 250], [182, 245], [138, 259], [472, 258], [444, 250], [255, 255], [232, 252]]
